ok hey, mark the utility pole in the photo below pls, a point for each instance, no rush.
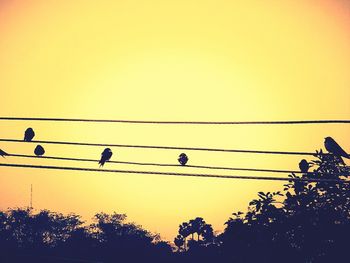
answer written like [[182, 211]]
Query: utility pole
[[31, 196]]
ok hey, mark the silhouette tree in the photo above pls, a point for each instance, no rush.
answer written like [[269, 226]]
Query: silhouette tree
[[53, 237], [196, 226], [309, 222], [184, 231], [204, 231], [179, 241]]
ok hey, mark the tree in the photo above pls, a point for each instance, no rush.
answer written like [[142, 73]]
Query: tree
[[204, 231], [308, 221], [179, 241]]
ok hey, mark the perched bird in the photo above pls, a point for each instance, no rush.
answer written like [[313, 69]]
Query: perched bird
[[183, 159], [3, 153], [39, 150], [105, 156], [333, 147], [304, 166], [29, 135]]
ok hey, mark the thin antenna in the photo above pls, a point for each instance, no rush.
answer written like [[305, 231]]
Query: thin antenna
[[31, 196]]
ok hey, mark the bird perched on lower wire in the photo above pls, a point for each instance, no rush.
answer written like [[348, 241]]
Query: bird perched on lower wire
[[3, 153], [183, 159], [333, 147], [304, 166], [105, 156], [39, 150], [29, 135]]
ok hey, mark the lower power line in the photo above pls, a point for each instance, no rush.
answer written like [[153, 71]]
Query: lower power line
[[338, 181]]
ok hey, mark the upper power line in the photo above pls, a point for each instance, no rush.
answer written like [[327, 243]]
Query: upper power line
[[161, 147], [303, 179], [179, 122]]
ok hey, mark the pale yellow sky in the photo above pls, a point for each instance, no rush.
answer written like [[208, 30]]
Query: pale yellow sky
[[168, 60]]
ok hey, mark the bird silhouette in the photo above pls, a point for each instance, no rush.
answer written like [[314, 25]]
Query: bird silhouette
[[333, 147], [105, 156], [3, 153], [29, 135], [183, 159], [39, 150], [304, 166]]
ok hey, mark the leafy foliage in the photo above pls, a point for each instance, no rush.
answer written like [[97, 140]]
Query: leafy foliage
[[54, 237], [307, 222]]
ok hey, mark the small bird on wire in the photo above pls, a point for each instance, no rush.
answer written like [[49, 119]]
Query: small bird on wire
[[29, 135], [39, 150], [304, 166], [333, 147], [3, 153], [105, 156], [183, 159]]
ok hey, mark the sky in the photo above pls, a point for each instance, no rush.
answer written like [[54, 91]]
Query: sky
[[168, 60]]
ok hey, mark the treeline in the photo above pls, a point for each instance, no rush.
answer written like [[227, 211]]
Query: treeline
[[54, 237], [304, 222]]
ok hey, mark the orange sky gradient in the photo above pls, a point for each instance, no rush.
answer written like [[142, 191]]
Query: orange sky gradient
[[168, 60]]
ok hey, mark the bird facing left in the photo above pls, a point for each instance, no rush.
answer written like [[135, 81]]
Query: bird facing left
[[3, 153], [334, 148]]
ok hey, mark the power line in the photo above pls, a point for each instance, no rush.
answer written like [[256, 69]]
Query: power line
[[177, 174], [158, 164], [179, 122], [163, 147], [166, 164]]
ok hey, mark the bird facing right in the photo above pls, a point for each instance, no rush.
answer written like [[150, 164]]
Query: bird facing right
[[29, 135], [304, 166], [105, 156]]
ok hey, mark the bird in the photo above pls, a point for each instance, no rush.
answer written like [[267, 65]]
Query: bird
[[29, 135], [39, 150], [304, 166], [3, 153], [183, 159], [333, 147], [105, 156]]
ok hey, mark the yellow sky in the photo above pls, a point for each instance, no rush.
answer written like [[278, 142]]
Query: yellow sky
[[168, 60]]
